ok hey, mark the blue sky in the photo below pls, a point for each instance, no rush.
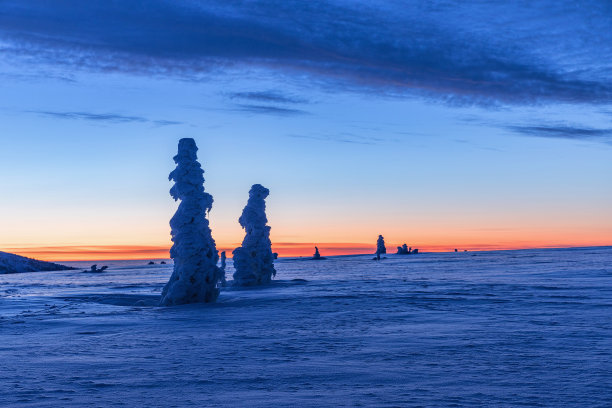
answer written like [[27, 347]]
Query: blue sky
[[440, 125]]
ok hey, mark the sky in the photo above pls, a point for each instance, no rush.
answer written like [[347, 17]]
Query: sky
[[451, 124]]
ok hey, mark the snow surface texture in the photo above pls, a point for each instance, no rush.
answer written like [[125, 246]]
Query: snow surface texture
[[254, 261], [380, 245], [501, 329], [11, 263], [196, 277]]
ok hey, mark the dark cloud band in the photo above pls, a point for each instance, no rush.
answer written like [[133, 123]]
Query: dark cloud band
[[461, 52]]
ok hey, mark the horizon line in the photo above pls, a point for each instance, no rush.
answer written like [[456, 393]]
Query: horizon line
[[82, 253]]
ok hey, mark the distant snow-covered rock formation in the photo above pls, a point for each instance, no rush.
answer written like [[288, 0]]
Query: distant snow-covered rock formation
[[195, 277], [94, 269], [317, 256], [380, 245], [222, 267], [254, 261], [404, 250], [11, 263], [380, 248]]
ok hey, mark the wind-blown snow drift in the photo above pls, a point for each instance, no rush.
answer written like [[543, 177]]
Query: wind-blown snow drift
[[254, 261], [195, 276]]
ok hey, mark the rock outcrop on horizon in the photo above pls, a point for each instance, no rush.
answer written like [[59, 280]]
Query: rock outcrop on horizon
[[195, 278], [404, 250], [94, 269], [11, 263], [254, 260]]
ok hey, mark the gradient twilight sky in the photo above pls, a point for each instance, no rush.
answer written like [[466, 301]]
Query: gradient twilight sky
[[440, 124]]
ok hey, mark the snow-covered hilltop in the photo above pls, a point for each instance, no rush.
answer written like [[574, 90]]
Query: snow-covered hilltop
[[11, 263]]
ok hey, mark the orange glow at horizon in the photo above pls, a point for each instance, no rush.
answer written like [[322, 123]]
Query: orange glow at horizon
[[285, 249]]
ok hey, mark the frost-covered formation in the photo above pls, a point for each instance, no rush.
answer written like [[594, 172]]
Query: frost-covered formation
[[317, 256], [253, 261], [11, 263], [196, 276], [404, 250], [94, 269], [223, 262], [380, 245]]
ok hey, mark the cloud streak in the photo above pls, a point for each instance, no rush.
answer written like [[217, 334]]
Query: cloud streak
[[564, 132], [268, 97], [105, 118], [459, 52], [343, 137], [268, 110]]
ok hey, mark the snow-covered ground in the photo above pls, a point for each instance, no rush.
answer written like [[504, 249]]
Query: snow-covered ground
[[503, 329]]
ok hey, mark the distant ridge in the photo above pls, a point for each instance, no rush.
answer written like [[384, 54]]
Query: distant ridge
[[11, 263]]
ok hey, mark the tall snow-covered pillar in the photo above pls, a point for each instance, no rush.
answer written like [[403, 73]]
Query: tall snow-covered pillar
[[222, 267], [195, 276], [380, 245], [253, 261]]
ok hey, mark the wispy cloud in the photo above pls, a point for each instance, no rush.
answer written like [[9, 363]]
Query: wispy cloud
[[268, 97], [105, 117], [564, 132], [268, 110], [267, 103], [166, 122], [515, 52], [35, 77], [342, 137], [477, 145]]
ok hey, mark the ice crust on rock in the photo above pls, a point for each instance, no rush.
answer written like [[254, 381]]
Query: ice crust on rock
[[254, 261], [195, 278]]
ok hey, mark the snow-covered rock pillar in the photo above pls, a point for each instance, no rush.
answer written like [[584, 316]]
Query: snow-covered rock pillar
[[195, 276], [380, 245], [254, 261], [223, 265]]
